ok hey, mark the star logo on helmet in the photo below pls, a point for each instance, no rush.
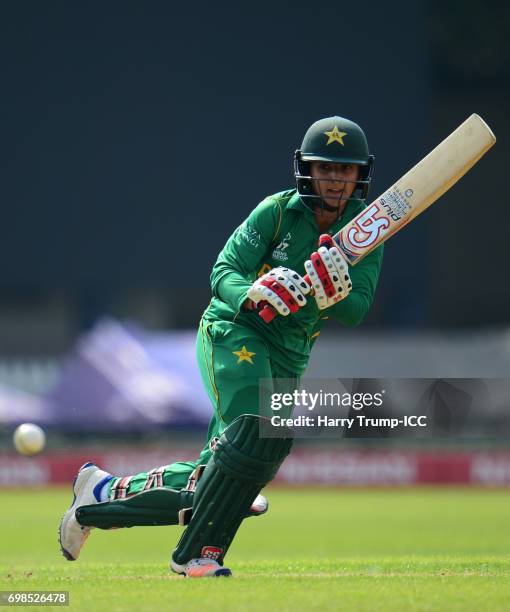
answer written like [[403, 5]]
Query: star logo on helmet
[[335, 136]]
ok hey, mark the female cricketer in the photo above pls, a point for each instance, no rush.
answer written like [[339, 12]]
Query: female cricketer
[[261, 265]]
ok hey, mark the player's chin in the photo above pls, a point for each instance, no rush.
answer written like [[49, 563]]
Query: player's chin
[[332, 200]]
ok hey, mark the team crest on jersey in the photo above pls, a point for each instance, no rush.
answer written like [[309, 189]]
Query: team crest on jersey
[[279, 252], [244, 355]]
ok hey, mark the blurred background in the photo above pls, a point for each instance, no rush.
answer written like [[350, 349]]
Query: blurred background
[[137, 136]]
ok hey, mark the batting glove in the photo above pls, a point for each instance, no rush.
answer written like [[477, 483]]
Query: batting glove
[[329, 274], [282, 288]]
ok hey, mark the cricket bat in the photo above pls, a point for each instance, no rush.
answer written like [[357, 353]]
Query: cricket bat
[[412, 194]]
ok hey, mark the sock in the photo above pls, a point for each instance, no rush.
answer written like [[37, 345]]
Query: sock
[[101, 489]]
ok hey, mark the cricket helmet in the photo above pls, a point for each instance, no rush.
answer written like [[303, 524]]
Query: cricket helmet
[[335, 140]]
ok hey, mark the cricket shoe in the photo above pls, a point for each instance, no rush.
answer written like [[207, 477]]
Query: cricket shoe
[[86, 488], [200, 568]]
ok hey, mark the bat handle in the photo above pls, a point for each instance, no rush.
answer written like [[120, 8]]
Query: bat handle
[[266, 312]]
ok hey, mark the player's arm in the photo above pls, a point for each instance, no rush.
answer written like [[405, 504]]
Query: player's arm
[[345, 292], [364, 277], [233, 276], [237, 264]]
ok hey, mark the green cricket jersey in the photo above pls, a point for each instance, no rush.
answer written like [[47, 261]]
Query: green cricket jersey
[[281, 231]]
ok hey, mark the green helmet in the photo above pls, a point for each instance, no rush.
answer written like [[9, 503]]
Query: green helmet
[[335, 140]]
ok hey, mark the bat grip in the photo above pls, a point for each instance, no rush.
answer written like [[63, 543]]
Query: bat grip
[[326, 240], [267, 312]]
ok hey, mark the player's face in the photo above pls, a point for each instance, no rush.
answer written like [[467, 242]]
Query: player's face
[[334, 183]]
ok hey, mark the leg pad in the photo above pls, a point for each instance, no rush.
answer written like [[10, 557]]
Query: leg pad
[[159, 506], [242, 464]]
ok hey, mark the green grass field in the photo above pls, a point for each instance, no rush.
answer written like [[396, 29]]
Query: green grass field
[[410, 549]]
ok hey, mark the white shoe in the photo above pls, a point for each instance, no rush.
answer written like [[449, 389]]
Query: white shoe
[[200, 568], [72, 535]]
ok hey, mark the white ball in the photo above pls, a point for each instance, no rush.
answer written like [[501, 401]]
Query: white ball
[[29, 439]]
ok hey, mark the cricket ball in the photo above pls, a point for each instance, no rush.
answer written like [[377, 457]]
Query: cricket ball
[[29, 439]]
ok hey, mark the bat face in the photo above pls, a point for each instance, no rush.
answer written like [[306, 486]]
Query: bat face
[[416, 190], [375, 224]]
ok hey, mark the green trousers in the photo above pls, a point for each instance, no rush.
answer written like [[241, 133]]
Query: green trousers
[[232, 358]]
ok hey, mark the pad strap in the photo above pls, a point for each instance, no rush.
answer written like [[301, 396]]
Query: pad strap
[[119, 489]]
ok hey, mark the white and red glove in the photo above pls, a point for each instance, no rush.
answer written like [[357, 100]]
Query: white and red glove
[[328, 272], [281, 288]]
